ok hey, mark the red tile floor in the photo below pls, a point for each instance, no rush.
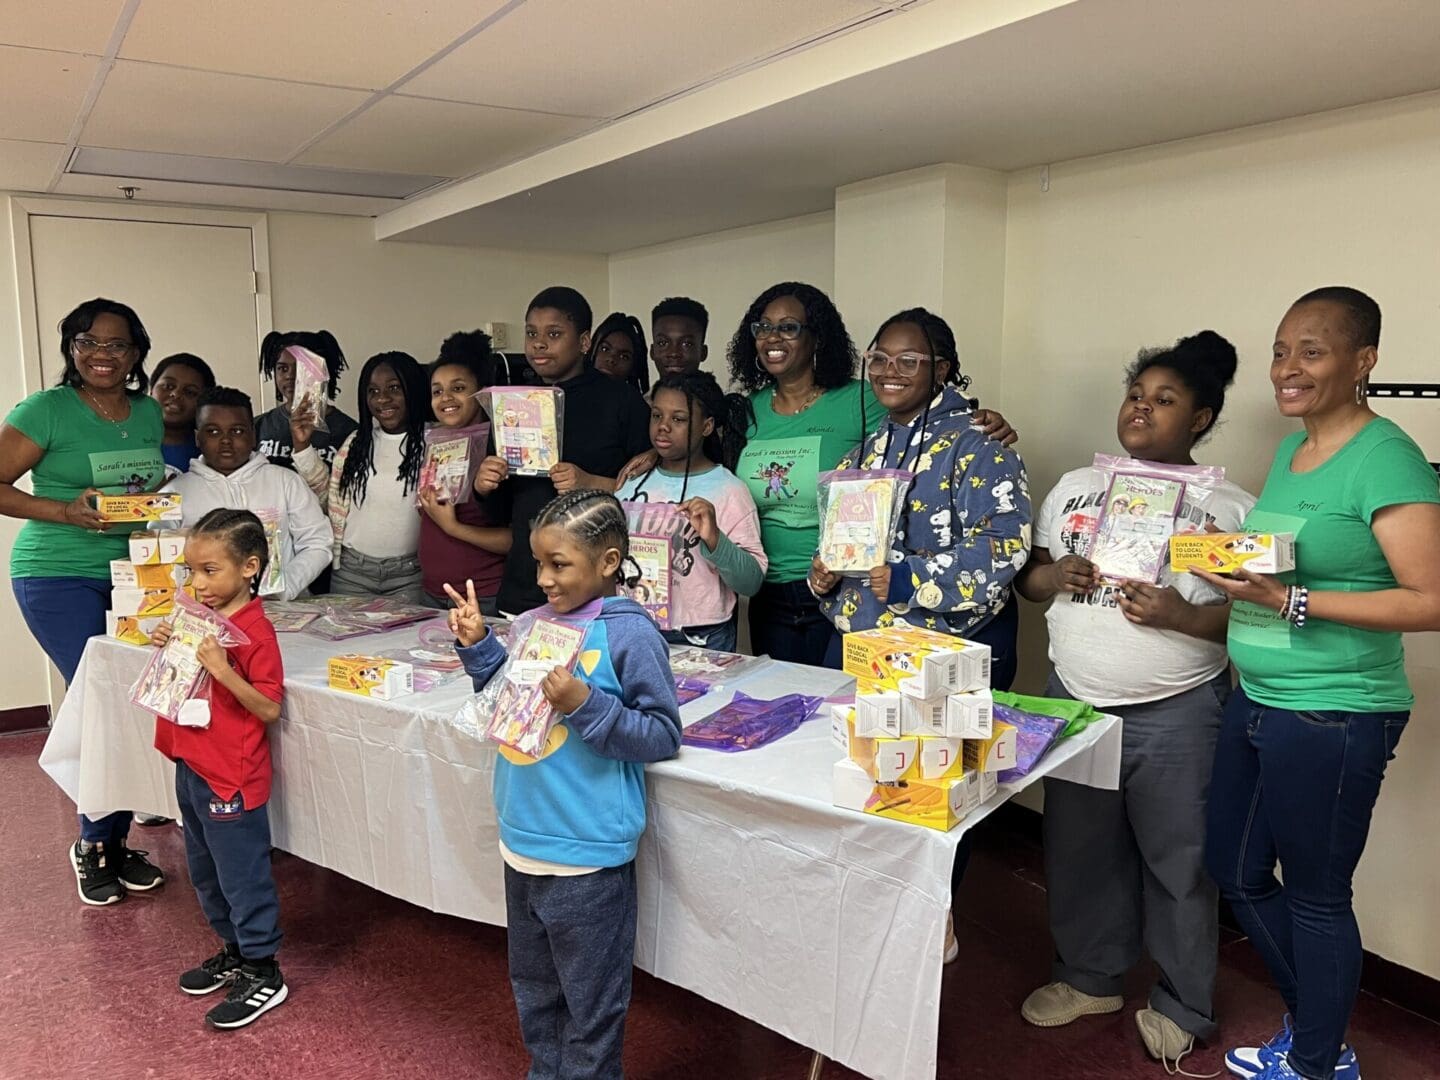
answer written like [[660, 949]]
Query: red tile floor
[[383, 989]]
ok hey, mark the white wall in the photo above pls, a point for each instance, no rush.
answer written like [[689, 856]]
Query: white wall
[[1140, 248], [325, 271], [725, 271], [330, 272]]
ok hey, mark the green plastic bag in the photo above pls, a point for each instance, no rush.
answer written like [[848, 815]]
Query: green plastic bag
[[1076, 714]]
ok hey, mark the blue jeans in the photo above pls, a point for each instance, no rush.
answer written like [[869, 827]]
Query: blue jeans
[[227, 848], [572, 951], [718, 636], [786, 623], [63, 614], [1298, 788]]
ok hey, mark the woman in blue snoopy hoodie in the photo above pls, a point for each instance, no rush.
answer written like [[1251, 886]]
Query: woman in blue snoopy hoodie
[[570, 819], [965, 530]]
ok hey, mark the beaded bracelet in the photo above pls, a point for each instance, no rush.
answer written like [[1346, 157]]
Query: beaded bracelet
[[1296, 606]]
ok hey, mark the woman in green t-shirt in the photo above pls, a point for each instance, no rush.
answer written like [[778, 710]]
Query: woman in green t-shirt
[[1323, 696], [95, 432]]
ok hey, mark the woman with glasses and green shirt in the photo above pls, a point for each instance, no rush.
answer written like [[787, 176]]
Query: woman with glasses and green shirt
[[792, 353], [95, 432]]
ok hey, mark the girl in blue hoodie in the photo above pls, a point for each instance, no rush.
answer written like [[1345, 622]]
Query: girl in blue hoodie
[[570, 819], [965, 530]]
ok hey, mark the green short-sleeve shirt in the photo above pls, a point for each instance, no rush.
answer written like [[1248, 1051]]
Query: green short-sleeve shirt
[[783, 459], [83, 450], [1326, 665]]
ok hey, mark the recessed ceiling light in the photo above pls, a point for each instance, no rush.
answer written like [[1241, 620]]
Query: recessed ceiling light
[[227, 172]]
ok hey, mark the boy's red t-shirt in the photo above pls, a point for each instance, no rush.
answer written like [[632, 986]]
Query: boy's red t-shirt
[[233, 753]]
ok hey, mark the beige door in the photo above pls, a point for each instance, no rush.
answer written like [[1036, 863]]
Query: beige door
[[193, 287]]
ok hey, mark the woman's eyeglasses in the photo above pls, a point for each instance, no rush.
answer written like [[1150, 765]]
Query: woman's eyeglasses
[[788, 329], [906, 363], [113, 349]]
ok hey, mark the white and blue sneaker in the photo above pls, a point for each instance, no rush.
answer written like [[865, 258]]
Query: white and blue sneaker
[[1253, 1061]]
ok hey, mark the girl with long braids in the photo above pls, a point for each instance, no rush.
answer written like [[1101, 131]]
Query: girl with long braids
[[618, 350], [698, 433], [371, 493]]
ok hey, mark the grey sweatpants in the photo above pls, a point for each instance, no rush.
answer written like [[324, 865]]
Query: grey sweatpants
[[1125, 869], [360, 575]]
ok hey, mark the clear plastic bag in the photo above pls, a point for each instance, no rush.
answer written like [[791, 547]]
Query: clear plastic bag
[[710, 666], [312, 379], [859, 512], [452, 455], [512, 710], [277, 537], [174, 674], [748, 723], [527, 422], [1139, 514], [657, 544]]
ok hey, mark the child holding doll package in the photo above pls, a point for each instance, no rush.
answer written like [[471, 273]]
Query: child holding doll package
[[698, 432], [223, 771], [571, 816]]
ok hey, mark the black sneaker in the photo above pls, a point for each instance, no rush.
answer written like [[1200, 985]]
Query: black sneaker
[[136, 873], [255, 989], [213, 973], [95, 874]]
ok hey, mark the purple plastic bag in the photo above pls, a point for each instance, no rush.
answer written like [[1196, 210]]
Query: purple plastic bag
[[1034, 735], [748, 723], [687, 689]]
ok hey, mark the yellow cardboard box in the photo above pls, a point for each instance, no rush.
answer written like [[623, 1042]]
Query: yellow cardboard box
[[130, 628], [1224, 553], [877, 710], [167, 546], [970, 716], [887, 761], [151, 506], [921, 663], [933, 804], [144, 603], [125, 574], [941, 757], [922, 716], [995, 754], [371, 676]]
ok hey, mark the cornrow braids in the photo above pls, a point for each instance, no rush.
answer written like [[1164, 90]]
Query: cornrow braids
[[594, 519], [242, 534], [321, 342], [360, 462]]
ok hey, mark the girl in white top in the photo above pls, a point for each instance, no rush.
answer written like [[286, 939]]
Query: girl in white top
[[1124, 869], [371, 492]]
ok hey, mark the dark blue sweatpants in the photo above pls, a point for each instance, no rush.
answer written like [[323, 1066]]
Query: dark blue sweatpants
[[63, 613], [228, 851], [572, 948]]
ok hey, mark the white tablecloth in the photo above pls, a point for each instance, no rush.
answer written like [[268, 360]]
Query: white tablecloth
[[755, 892]]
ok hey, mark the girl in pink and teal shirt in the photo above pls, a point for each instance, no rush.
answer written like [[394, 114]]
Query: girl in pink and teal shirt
[[698, 433]]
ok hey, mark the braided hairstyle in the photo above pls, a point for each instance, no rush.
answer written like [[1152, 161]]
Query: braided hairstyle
[[360, 461], [321, 342], [732, 413], [617, 322], [242, 534], [835, 356], [595, 521]]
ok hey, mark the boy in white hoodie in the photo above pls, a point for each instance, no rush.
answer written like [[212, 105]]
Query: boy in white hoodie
[[230, 474]]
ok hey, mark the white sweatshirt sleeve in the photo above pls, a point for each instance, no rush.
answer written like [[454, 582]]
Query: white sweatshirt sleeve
[[313, 470], [310, 536]]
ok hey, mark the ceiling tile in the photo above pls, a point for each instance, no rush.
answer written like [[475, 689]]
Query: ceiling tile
[[42, 92], [28, 166], [442, 138], [150, 107], [607, 59], [362, 43], [73, 26]]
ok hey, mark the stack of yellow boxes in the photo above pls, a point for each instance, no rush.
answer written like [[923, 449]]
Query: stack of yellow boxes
[[146, 584], [921, 741]]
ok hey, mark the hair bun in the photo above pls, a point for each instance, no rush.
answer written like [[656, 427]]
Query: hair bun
[[1209, 349]]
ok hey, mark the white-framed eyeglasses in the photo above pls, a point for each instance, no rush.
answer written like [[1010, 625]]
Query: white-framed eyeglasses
[[906, 363]]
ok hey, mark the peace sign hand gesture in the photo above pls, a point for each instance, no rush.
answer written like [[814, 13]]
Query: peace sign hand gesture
[[466, 622]]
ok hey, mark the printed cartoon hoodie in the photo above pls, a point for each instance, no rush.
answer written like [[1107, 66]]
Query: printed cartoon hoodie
[[964, 533], [582, 802]]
